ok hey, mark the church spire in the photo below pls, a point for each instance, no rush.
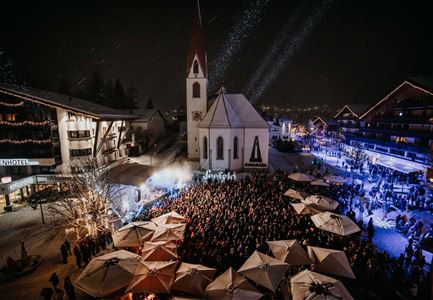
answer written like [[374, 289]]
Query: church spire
[[196, 42]]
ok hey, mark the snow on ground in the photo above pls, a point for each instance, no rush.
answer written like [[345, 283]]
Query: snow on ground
[[25, 224]]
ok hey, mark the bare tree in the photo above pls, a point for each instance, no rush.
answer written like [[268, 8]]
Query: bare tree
[[357, 158], [83, 201]]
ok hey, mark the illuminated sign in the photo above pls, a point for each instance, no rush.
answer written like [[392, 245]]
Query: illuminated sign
[[7, 179], [18, 162], [221, 176]]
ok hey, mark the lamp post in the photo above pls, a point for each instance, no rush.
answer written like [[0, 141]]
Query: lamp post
[[40, 202]]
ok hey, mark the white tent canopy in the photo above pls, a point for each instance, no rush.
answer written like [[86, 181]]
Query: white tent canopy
[[330, 261], [322, 202], [295, 194], [315, 286], [108, 273], [300, 177], [133, 234], [169, 218], [264, 270], [289, 251], [335, 223]]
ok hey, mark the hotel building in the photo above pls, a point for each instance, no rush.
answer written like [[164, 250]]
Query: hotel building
[[47, 133], [397, 131]]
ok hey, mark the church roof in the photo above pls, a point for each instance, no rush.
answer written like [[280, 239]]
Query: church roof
[[196, 42], [232, 111]]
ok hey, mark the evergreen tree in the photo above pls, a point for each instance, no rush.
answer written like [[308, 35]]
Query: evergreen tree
[[95, 86], [131, 95], [108, 92], [149, 104], [119, 95]]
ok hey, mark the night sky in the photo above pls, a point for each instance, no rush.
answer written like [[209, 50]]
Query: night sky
[[318, 52]]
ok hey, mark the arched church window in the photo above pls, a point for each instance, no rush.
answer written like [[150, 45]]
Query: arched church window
[[196, 90], [205, 147], [195, 67], [235, 148], [220, 148]]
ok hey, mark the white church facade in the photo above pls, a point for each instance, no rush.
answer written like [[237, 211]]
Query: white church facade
[[231, 135]]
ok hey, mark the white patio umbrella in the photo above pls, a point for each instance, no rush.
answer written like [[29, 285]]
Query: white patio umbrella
[[108, 273], [169, 218], [335, 179], [265, 270], [133, 234], [159, 251], [319, 183], [300, 177], [335, 223], [296, 194], [168, 232], [314, 286], [153, 277], [193, 278], [330, 261], [290, 251], [305, 209], [231, 286], [322, 202]]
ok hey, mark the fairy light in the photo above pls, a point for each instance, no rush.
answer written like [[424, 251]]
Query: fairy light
[[26, 141], [12, 104], [40, 101], [25, 123]]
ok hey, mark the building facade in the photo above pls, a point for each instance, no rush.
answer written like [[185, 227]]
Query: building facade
[[233, 135], [48, 133], [397, 131]]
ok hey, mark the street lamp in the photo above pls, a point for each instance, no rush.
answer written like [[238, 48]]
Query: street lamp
[[40, 202]]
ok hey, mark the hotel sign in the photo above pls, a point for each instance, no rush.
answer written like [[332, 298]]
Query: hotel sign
[[18, 162]]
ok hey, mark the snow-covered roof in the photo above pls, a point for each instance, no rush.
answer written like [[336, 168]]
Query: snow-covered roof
[[232, 111], [66, 102]]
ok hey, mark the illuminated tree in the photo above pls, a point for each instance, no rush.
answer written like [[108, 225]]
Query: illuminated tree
[[83, 201]]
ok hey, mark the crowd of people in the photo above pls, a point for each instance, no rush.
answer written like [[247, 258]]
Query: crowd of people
[[228, 221], [55, 292], [83, 251]]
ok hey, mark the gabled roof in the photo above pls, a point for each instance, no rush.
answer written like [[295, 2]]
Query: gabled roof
[[145, 114], [232, 111], [196, 42], [326, 121], [426, 82], [356, 109], [423, 83], [66, 102]]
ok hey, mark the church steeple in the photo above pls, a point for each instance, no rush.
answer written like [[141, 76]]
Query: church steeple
[[196, 84], [196, 48]]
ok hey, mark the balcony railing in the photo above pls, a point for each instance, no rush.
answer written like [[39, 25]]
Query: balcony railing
[[387, 143]]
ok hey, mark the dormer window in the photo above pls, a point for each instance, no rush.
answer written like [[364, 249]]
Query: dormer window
[[195, 67]]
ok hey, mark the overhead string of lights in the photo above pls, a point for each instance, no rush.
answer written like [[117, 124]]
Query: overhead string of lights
[[25, 123], [19, 104], [26, 141]]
